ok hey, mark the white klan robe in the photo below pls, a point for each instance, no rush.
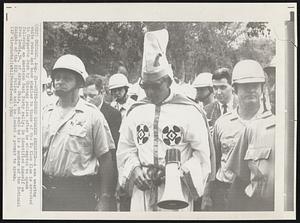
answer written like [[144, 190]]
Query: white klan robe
[[148, 128]]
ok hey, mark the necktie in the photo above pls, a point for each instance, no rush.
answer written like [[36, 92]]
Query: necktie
[[224, 108]]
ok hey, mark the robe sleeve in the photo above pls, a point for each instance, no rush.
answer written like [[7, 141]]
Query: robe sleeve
[[197, 168], [127, 154]]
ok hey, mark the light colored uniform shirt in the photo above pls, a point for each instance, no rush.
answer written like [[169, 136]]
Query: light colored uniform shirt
[[253, 162], [123, 108], [73, 144], [227, 131], [260, 157], [167, 126], [46, 99]]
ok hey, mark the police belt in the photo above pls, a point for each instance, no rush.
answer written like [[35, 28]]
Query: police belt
[[51, 182], [222, 184]]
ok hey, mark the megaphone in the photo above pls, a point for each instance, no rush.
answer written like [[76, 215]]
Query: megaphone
[[172, 197]]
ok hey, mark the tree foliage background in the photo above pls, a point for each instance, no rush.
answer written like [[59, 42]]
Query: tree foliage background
[[193, 47]]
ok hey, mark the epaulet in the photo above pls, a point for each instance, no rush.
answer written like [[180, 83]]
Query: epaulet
[[87, 104], [266, 114], [48, 107], [90, 105], [270, 121], [230, 116]]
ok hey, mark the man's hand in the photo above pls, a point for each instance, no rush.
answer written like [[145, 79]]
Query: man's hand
[[141, 179]]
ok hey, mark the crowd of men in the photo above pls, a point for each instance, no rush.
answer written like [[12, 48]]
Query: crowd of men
[[112, 156]]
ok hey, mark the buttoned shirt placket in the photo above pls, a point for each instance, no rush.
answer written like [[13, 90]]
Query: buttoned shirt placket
[[63, 122]]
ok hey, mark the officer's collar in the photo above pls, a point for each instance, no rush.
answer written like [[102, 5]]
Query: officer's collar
[[259, 114], [78, 107]]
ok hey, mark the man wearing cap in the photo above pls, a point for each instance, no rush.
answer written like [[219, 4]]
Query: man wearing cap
[[204, 86], [226, 100], [118, 86], [76, 143], [161, 121], [248, 79]]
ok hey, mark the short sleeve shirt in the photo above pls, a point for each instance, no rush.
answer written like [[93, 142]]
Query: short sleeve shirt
[[228, 130], [74, 144]]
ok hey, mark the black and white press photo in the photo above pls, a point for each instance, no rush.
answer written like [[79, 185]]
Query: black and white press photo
[[158, 116], [150, 111]]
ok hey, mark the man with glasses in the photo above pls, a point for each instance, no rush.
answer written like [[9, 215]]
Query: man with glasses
[[94, 93], [161, 121]]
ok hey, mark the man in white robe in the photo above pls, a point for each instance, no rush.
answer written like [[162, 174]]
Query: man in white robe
[[163, 120]]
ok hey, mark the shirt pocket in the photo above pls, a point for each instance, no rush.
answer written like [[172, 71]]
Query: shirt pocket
[[227, 146], [255, 154], [77, 141], [259, 175]]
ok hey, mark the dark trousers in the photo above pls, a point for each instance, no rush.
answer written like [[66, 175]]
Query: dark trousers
[[260, 204], [124, 199], [68, 194], [219, 195], [197, 204]]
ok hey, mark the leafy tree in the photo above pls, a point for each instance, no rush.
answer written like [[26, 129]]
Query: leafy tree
[[193, 47]]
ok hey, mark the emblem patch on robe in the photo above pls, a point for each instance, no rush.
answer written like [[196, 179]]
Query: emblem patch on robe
[[142, 132], [171, 135]]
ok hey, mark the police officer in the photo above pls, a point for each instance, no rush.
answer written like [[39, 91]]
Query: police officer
[[204, 86], [76, 143], [248, 79], [118, 86], [253, 163]]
